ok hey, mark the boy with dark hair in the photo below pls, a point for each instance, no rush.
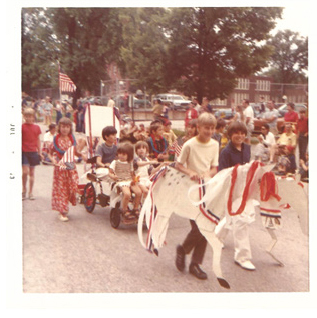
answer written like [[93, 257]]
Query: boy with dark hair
[[237, 152], [107, 151]]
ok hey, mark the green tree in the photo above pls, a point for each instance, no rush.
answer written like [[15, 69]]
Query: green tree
[[209, 48], [82, 40], [144, 48], [39, 51], [88, 39], [289, 61]]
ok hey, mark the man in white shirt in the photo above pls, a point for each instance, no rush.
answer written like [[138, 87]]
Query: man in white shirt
[[271, 116], [249, 117], [111, 102], [265, 149]]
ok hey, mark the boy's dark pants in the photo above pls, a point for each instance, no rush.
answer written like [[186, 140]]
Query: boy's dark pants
[[195, 240]]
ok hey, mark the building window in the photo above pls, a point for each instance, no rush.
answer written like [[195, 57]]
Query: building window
[[220, 102], [239, 97], [243, 83], [262, 85]]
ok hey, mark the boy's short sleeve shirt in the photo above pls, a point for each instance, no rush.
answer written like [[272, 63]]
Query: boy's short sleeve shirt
[[107, 154], [199, 156], [30, 135]]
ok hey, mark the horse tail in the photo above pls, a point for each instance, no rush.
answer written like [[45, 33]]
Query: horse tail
[[146, 207]]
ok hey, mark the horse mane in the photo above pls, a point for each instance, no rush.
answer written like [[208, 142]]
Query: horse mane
[[250, 175], [268, 187]]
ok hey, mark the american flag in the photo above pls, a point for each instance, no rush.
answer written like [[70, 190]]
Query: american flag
[[67, 162], [65, 83], [176, 147]]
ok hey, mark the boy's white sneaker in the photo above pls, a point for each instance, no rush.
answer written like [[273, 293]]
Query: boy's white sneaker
[[246, 265]]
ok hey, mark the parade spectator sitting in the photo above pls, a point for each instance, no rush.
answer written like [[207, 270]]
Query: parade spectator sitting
[[143, 133], [283, 165], [190, 132], [170, 136], [265, 149], [286, 146], [158, 145], [288, 138], [129, 132], [191, 113], [303, 170]]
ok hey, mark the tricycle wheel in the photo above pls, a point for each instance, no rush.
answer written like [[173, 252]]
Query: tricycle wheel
[[89, 197], [115, 217]]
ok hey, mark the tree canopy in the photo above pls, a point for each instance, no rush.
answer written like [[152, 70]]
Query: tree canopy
[[199, 51], [82, 40], [289, 61]]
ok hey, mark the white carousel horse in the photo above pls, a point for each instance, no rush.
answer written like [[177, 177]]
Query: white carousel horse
[[206, 203]]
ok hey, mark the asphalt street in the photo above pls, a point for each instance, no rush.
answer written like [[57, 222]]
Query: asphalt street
[[87, 255]]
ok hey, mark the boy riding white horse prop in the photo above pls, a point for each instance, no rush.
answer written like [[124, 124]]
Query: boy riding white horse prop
[[207, 203]]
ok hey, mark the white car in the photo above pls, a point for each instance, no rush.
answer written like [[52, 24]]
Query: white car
[[176, 101]]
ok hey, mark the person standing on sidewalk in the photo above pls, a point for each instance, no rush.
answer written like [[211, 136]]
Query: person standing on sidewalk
[[31, 151], [198, 159], [302, 131]]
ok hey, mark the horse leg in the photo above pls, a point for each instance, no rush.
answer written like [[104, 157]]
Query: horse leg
[[272, 244], [216, 246]]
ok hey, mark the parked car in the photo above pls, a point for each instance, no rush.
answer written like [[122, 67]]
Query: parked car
[[139, 103], [258, 122], [225, 113], [176, 102], [283, 109]]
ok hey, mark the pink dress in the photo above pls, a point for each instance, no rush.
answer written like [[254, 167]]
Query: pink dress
[[65, 182]]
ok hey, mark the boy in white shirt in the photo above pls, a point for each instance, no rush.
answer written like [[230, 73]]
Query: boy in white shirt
[[198, 159]]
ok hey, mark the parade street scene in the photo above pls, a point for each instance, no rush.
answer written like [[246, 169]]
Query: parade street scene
[[163, 152]]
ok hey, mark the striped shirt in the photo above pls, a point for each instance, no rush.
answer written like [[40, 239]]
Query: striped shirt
[[122, 169]]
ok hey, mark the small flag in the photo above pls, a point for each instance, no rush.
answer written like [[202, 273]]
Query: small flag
[[65, 83], [68, 160], [176, 147]]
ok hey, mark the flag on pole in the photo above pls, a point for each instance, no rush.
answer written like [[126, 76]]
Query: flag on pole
[[65, 83]]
